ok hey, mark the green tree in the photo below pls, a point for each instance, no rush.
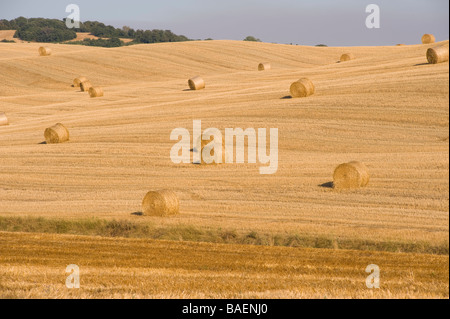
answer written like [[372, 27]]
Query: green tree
[[43, 30], [252, 38]]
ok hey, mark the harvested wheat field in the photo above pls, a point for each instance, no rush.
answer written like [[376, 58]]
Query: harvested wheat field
[[86, 35], [136, 268], [8, 35], [387, 109]]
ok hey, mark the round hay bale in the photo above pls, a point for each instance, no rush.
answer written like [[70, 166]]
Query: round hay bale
[[347, 57], [3, 119], [437, 54], [44, 51], [400, 44], [302, 88], [85, 86], [58, 133], [196, 83], [77, 81], [428, 38], [264, 66], [95, 92], [350, 175], [211, 145], [160, 203]]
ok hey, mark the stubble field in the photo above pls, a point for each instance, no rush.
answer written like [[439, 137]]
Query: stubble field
[[387, 109]]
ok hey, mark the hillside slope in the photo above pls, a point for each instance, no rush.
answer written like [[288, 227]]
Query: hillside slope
[[387, 108]]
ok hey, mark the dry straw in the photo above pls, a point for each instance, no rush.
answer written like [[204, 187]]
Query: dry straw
[[58, 133], [347, 57], [209, 148], [264, 66], [437, 54], [428, 38], [44, 51], [95, 92], [350, 175], [302, 88], [196, 83], [85, 86], [160, 203], [77, 81], [3, 119]]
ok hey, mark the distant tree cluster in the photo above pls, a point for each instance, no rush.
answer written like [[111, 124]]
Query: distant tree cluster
[[13, 24], [252, 38], [52, 30], [156, 36], [106, 43], [39, 29], [139, 36], [104, 31]]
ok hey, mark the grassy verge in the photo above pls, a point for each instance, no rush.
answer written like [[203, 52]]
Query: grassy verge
[[128, 229]]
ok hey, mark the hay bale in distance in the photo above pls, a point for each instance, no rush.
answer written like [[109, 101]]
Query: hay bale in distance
[[428, 38], [347, 57], [58, 133], [302, 88], [196, 83], [95, 92], [437, 54], [85, 86], [3, 119], [264, 66], [160, 203], [44, 51], [77, 81], [350, 175]]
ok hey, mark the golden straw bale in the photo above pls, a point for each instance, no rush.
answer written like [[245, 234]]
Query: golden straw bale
[[77, 81], [85, 86], [302, 88], [160, 203], [196, 83], [95, 92], [347, 57], [264, 66], [437, 54], [350, 175], [3, 119], [58, 133], [44, 51], [428, 38]]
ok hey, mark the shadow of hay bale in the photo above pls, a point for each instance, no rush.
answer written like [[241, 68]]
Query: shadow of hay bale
[[327, 185], [138, 213]]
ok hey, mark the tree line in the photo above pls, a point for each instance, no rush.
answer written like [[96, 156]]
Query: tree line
[[54, 30]]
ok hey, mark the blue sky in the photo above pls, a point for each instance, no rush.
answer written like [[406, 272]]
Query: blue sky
[[332, 22]]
